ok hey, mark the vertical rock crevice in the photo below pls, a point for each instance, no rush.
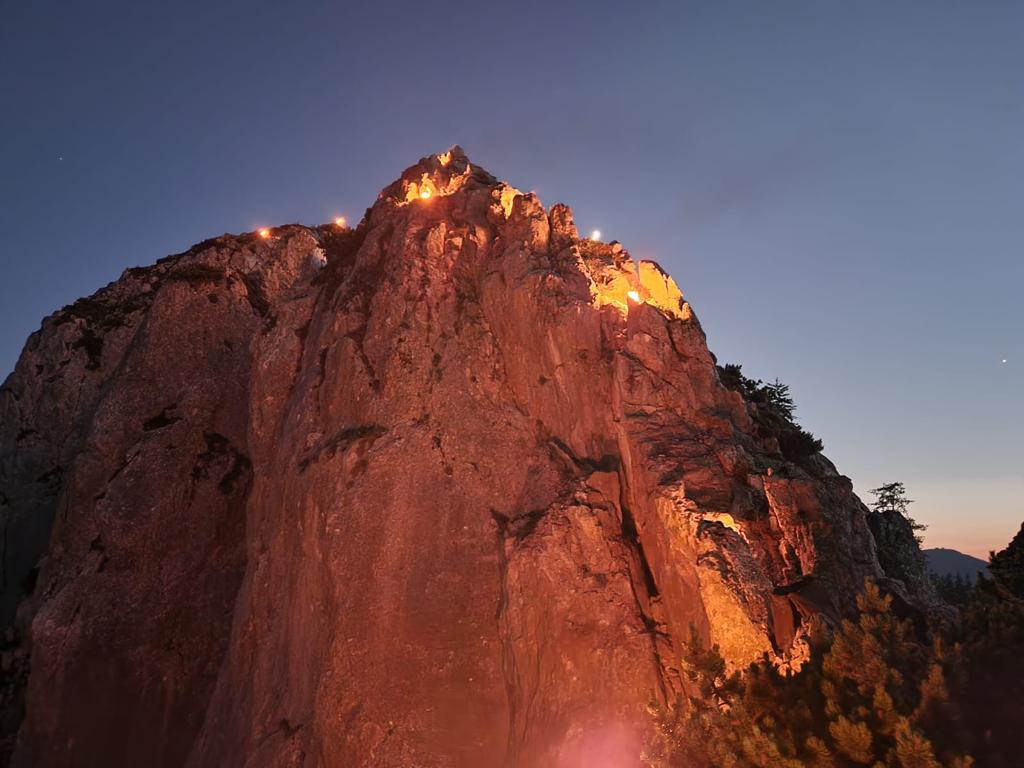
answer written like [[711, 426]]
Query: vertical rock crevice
[[509, 670], [645, 589]]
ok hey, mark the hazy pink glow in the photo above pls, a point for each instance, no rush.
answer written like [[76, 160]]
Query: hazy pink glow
[[600, 746], [972, 515]]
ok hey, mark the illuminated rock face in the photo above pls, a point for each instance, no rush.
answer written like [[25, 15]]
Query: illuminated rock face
[[453, 499]]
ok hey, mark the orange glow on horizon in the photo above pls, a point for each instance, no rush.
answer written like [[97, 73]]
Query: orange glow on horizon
[[340, 221], [264, 233]]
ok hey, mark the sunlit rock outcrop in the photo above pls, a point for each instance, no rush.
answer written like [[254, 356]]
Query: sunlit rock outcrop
[[451, 489]]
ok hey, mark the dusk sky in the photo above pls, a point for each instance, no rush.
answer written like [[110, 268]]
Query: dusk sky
[[837, 188]]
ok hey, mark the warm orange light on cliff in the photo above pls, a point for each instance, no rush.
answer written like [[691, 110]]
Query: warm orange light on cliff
[[729, 522], [264, 233], [508, 196], [633, 296], [595, 235], [444, 159], [339, 222], [424, 189]]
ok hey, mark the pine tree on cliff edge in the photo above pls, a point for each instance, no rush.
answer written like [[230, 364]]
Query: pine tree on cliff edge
[[878, 695], [892, 498]]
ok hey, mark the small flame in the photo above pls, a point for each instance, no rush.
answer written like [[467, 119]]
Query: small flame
[[264, 233], [634, 296], [340, 222], [444, 159], [425, 193], [595, 235]]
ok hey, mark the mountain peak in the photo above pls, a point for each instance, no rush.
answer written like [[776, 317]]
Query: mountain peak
[[328, 490], [434, 176]]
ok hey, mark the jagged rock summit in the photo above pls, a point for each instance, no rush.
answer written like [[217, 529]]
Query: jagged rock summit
[[449, 489]]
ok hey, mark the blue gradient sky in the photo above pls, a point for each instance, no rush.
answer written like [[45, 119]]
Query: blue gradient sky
[[838, 188]]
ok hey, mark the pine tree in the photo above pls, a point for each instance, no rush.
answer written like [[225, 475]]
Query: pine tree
[[991, 631], [955, 589], [774, 414], [1007, 566], [777, 396], [892, 498], [876, 694]]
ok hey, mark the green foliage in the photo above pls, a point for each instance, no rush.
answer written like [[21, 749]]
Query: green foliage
[[1007, 567], [955, 589], [852, 739], [991, 632], [881, 675], [777, 397], [774, 395], [892, 498], [876, 693], [776, 408], [798, 444], [732, 720], [879, 691]]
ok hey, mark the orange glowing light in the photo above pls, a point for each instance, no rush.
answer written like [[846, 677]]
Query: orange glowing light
[[634, 296], [595, 235], [340, 221], [425, 193], [264, 233]]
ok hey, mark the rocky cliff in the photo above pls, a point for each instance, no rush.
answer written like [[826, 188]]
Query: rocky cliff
[[450, 489]]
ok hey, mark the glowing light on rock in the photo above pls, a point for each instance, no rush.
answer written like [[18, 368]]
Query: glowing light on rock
[[424, 189], [508, 196], [725, 519], [661, 291], [444, 159], [595, 235], [264, 233], [633, 296], [339, 222]]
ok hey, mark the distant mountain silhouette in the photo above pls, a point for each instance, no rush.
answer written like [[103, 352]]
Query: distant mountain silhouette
[[949, 561]]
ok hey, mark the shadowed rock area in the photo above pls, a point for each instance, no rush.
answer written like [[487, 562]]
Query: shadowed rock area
[[449, 489]]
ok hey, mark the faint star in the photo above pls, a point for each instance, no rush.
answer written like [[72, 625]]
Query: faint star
[[1004, 361]]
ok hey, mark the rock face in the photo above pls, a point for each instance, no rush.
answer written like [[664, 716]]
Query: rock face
[[899, 552], [449, 489]]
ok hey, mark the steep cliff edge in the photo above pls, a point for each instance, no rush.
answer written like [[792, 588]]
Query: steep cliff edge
[[449, 489]]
